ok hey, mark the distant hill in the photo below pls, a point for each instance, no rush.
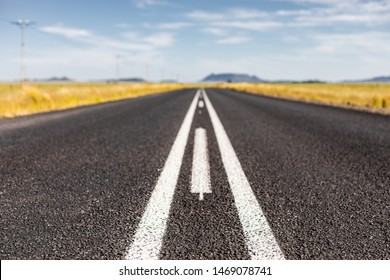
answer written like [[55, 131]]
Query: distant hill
[[380, 79], [54, 80], [297, 82], [232, 77], [127, 80], [59, 79], [244, 78]]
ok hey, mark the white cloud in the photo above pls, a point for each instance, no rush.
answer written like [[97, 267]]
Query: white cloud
[[239, 18], [325, 2], [362, 13], [350, 19], [72, 33], [233, 40], [160, 39], [173, 25], [362, 44], [289, 13], [132, 42], [334, 57], [240, 13], [148, 3], [205, 16], [96, 54], [89, 38], [215, 31], [250, 25], [235, 13]]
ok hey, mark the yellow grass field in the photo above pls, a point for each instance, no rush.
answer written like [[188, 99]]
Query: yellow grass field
[[17, 100], [366, 96]]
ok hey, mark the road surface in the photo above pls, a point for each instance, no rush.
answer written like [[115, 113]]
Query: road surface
[[196, 175]]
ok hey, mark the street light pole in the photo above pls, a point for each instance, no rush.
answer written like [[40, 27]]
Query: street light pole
[[22, 24]]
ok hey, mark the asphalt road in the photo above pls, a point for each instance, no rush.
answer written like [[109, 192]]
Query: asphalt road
[[89, 183]]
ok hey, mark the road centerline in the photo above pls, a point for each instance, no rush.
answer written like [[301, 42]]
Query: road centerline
[[259, 237], [148, 238], [200, 178]]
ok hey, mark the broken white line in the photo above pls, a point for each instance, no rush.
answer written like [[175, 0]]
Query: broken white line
[[149, 235], [200, 180]]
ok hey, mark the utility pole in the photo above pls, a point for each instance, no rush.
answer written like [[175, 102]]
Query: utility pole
[[118, 69], [22, 24]]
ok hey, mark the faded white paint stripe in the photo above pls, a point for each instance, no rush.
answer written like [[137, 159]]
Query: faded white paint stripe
[[200, 179], [259, 237], [148, 238]]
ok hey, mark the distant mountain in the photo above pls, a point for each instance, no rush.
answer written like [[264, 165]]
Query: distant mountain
[[232, 77], [380, 79], [237, 78]]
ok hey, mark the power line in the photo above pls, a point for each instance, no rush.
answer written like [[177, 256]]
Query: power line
[[22, 24]]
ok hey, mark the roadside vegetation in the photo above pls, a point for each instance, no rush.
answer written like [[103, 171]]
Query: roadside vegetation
[[17, 100], [365, 96]]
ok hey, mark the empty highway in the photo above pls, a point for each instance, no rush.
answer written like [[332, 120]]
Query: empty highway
[[196, 174]]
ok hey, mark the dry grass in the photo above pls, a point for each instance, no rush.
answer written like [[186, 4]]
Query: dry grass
[[16, 100], [34, 98], [374, 96]]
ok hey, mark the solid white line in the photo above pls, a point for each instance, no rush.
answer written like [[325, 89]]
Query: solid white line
[[259, 237], [200, 180], [148, 238]]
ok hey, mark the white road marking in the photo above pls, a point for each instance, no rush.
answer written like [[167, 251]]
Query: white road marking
[[149, 235], [200, 180], [259, 237], [201, 104]]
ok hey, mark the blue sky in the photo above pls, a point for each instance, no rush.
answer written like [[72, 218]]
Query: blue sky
[[169, 39]]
